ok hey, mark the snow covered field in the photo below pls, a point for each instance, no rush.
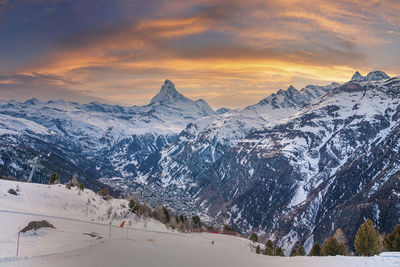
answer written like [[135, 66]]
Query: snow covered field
[[145, 243]]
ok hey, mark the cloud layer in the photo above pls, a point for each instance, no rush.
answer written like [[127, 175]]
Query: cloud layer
[[231, 53]]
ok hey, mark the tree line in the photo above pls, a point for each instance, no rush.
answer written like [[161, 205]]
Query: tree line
[[367, 242]]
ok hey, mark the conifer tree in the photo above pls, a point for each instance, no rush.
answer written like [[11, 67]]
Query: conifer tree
[[316, 250], [332, 247], [254, 237], [269, 248], [81, 187], [196, 221], [367, 241], [293, 252], [166, 215], [392, 241], [279, 252], [340, 237], [301, 251], [53, 178], [258, 249]]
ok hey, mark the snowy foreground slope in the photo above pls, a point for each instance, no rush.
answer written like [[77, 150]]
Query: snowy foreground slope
[[145, 243]]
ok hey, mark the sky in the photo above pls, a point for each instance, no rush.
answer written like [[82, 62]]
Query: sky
[[231, 53]]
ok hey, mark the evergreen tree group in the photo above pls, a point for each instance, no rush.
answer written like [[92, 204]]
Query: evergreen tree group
[[391, 242], [301, 251], [367, 243], [297, 252], [269, 248], [315, 250], [332, 247]]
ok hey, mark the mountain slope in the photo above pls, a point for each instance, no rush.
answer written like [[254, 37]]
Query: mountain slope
[[287, 180], [204, 141], [102, 140]]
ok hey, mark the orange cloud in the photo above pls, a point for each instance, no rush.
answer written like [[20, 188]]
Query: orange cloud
[[231, 48]]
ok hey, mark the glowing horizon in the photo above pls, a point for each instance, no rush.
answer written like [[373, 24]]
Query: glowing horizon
[[229, 53]]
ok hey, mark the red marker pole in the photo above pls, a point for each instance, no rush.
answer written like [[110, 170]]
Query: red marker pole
[[19, 230]]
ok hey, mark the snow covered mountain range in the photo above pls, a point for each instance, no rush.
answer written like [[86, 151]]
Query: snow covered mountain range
[[92, 140], [295, 166]]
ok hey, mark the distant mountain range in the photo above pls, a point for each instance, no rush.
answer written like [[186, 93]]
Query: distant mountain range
[[294, 167]]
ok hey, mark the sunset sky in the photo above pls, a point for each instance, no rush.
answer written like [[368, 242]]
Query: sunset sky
[[230, 53]]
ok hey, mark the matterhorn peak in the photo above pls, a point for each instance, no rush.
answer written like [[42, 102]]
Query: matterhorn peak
[[167, 94]]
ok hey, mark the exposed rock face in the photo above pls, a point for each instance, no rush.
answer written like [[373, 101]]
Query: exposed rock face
[[331, 165], [35, 225], [12, 192]]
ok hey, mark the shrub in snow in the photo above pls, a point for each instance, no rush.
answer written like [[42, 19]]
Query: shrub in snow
[[367, 241], [332, 247], [211, 228], [81, 187], [74, 181], [254, 237], [301, 251], [144, 210], [109, 211], [316, 250], [392, 241], [228, 228], [53, 178], [132, 206], [34, 225], [258, 249], [68, 186], [105, 193]]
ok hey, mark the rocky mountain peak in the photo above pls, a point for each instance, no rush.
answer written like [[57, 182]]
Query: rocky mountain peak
[[356, 76], [167, 94], [372, 76], [32, 101]]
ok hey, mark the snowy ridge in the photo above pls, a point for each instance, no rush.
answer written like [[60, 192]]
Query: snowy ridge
[[205, 140], [280, 176], [116, 138]]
